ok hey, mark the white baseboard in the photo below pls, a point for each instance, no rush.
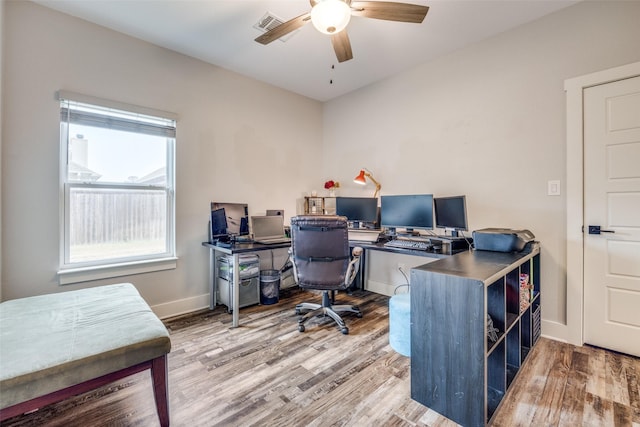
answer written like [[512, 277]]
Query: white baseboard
[[380, 288], [555, 331], [181, 306]]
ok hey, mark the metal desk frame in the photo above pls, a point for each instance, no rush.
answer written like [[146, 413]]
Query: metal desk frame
[[242, 248]]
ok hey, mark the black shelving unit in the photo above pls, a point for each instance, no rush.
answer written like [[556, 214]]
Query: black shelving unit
[[456, 369]]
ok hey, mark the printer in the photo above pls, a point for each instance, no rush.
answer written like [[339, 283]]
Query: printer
[[502, 239]]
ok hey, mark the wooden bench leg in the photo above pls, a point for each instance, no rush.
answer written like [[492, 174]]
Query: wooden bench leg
[[159, 377], [159, 369]]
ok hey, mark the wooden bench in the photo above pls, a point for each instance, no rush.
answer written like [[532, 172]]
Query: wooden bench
[[56, 346]]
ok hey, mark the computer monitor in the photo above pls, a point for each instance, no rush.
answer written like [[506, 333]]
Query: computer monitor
[[218, 224], [410, 211], [237, 217], [451, 213], [361, 209]]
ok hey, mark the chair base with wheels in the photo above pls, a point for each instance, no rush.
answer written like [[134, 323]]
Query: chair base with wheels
[[325, 309]]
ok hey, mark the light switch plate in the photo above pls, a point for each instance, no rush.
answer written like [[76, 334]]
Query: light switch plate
[[553, 188]]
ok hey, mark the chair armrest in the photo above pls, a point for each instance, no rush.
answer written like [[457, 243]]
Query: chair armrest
[[293, 264], [354, 266]]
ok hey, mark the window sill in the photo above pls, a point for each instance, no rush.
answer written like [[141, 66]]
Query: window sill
[[87, 274]]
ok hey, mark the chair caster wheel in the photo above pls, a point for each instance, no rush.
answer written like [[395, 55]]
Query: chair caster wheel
[[298, 312], [345, 331], [359, 315], [301, 328]]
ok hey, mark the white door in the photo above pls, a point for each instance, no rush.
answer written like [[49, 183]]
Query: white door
[[612, 201]]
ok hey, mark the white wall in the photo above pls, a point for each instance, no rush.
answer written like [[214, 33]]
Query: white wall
[[487, 121], [1, 101], [238, 140]]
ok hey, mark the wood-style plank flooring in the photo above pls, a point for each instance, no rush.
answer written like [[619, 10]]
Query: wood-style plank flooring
[[266, 373]]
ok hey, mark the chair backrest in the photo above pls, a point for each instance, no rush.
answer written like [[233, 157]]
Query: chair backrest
[[320, 251]]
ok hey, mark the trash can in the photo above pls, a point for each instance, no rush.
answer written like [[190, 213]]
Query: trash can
[[400, 323], [269, 286]]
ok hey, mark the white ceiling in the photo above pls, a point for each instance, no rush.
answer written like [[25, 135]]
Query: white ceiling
[[221, 32]]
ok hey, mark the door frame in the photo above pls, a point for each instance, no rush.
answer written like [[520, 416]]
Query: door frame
[[574, 88]]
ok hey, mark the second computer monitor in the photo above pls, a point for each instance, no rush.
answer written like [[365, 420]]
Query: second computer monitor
[[408, 211], [360, 209], [451, 213]]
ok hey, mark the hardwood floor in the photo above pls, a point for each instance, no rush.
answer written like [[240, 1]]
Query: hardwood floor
[[266, 373]]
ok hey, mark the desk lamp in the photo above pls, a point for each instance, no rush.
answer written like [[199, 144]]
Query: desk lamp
[[361, 179]]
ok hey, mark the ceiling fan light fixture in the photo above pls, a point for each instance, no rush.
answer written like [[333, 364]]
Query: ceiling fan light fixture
[[330, 16]]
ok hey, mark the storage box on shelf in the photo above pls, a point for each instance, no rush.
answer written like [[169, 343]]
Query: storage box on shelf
[[319, 205], [456, 368]]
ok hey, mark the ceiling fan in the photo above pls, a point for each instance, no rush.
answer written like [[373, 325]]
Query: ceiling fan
[[332, 16]]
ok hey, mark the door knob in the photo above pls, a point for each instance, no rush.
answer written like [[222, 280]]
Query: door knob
[[595, 229]]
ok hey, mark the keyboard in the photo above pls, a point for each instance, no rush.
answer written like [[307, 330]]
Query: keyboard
[[273, 241], [417, 245]]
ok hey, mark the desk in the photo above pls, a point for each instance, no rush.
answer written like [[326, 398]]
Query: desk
[[368, 247], [242, 248], [235, 250], [450, 302]]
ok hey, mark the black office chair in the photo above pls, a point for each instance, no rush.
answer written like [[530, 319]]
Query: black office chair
[[320, 257]]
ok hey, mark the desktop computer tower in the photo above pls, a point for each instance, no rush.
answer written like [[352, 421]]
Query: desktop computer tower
[[249, 289], [450, 245]]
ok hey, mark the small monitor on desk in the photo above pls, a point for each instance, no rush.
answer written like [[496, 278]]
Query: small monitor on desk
[[358, 209], [237, 215], [410, 211], [451, 214], [218, 225]]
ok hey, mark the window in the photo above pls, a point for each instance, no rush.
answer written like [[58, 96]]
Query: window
[[117, 184]]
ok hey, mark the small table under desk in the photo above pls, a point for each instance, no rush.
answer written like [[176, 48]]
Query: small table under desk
[[235, 250]]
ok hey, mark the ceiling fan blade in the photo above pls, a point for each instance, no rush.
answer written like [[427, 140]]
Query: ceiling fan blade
[[284, 28], [342, 46], [389, 11]]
